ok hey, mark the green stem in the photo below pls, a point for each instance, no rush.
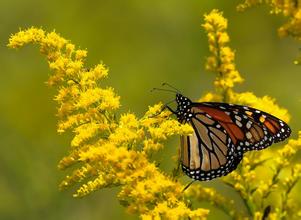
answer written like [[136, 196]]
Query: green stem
[[245, 201]]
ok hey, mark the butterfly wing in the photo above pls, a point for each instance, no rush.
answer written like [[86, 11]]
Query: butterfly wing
[[249, 128], [210, 151], [222, 133]]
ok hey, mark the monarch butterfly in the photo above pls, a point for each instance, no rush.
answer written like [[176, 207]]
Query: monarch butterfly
[[222, 134]]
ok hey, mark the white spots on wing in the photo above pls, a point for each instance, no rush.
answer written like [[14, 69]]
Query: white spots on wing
[[249, 135], [238, 117], [249, 124], [238, 123], [228, 113], [208, 116]]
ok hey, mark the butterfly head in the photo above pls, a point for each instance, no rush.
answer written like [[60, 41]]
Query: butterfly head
[[184, 108]]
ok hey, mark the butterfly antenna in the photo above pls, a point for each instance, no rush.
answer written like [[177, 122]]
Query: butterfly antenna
[[189, 184], [171, 101], [170, 86], [165, 90]]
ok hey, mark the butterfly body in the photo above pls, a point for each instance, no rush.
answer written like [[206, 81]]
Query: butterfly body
[[183, 111], [222, 134]]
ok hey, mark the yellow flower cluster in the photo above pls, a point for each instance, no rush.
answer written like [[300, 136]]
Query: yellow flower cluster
[[81, 102], [251, 3], [164, 211], [222, 56], [109, 150], [264, 179], [291, 9], [158, 128]]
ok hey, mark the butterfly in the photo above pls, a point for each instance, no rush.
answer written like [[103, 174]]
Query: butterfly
[[222, 134]]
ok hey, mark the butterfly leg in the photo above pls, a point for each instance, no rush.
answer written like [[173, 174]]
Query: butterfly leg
[[164, 108], [187, 186], [169, 108]]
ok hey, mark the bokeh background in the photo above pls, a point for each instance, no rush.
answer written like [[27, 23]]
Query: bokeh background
[[144, 43]]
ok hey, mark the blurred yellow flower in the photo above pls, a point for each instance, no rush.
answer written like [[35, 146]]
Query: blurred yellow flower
[[291, 9]]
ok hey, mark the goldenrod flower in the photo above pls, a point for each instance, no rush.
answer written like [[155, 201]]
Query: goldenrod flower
[[291, 9], [222, 56], [259, 177], [109, 150]]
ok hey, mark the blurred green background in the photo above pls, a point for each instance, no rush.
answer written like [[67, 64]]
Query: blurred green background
[[144, 43]]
